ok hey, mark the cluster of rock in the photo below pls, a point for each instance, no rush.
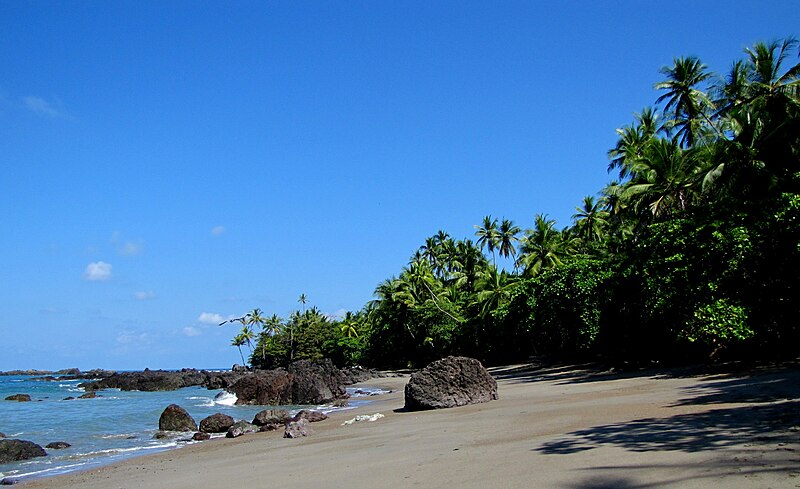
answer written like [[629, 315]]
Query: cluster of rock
[[175, 418], [13, 450]]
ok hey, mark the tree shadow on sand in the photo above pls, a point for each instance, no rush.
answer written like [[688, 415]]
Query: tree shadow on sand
[[709, 430]]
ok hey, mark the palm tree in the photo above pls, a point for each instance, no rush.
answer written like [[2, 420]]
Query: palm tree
[[302, 300], [542, 246], [487, 235], [493, 288], [591, 219], [507, 238], [666, 179], [632, 140], [238, 341], [688, 105], [255, 318], [349, 325]]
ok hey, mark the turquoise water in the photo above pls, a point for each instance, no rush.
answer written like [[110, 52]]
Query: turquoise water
[[110, 427]]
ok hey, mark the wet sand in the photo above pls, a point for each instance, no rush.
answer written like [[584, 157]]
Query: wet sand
[[553, 427]]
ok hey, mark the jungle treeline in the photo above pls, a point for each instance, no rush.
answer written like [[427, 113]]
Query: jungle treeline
[[690, 253]]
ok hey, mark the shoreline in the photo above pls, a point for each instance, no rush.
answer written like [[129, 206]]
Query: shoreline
[[552, 427]]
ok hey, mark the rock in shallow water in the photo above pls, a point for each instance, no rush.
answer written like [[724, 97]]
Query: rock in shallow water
[[449, 382], [175, 418], [19, 397], [216, 423], [58, 445], [16, 450]]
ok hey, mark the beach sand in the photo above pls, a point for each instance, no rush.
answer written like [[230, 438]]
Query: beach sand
[[553, 427]]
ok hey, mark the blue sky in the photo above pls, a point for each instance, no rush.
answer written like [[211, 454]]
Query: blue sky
[[169, 164]]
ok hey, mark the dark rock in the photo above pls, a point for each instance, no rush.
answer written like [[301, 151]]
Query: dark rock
[[151, 380], [58, 445], [160, 435], [69, 371], [271, 416], [201, 436], [340, 403], [2, 435], [238, 368], [296, 429], [316, 382], [19, 397], [267, 387], [240, 428], [70, 398], [310, 416], [15, 450], [88, 395], [175, 418], [449, 382], [216, 423], [271, 426], [8, 481], [353, 375]]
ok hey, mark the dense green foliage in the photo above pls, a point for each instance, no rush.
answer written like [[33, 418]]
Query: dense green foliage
[[691, 253]]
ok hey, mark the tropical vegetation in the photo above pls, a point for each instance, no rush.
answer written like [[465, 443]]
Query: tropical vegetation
[[691, 252]]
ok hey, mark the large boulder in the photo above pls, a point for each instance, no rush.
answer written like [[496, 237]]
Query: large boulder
[[216, 423], [15, 450], [449, 382], [310, 416], [19, 397], [175, 418]]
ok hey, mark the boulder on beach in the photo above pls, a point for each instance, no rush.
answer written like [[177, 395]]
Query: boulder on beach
[[175, 418], [216, 423], [19, 397], [303, 382], [58, 445], [450, 382], [240, 428], [201, 436], [310, 416], [271, 416], [16, 450], [297, 429]]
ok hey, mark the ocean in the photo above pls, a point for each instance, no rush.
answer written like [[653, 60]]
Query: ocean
[[110, 427]]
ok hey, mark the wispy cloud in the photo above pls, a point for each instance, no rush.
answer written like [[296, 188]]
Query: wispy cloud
[[97, 271], [133, 338], [210, 318], [217, 230], [40, 106], [126, 247], [191, 331], [144, 295]]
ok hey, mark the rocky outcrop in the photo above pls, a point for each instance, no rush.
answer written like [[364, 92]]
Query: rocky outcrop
[[58, 445], [297, 429], [240, 428], [304, 382], [201, 436], [149, 380], [263, 387], [216, 423], [19, 397], [175, 418], [88, 395], [271, 416], [449, 382], [16, 450]]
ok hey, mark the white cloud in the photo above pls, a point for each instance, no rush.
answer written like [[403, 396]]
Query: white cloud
[[144, 295], [40, 106], [97, 271], [129, 337], [190, 331], [210, 318], [129, 248], [217, 230]]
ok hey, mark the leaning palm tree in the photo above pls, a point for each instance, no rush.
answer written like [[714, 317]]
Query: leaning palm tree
[[238, 341]]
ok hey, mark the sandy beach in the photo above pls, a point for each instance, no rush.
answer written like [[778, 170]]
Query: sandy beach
[[553, 427]]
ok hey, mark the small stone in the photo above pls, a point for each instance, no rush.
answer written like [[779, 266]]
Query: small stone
[[201, 436]]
